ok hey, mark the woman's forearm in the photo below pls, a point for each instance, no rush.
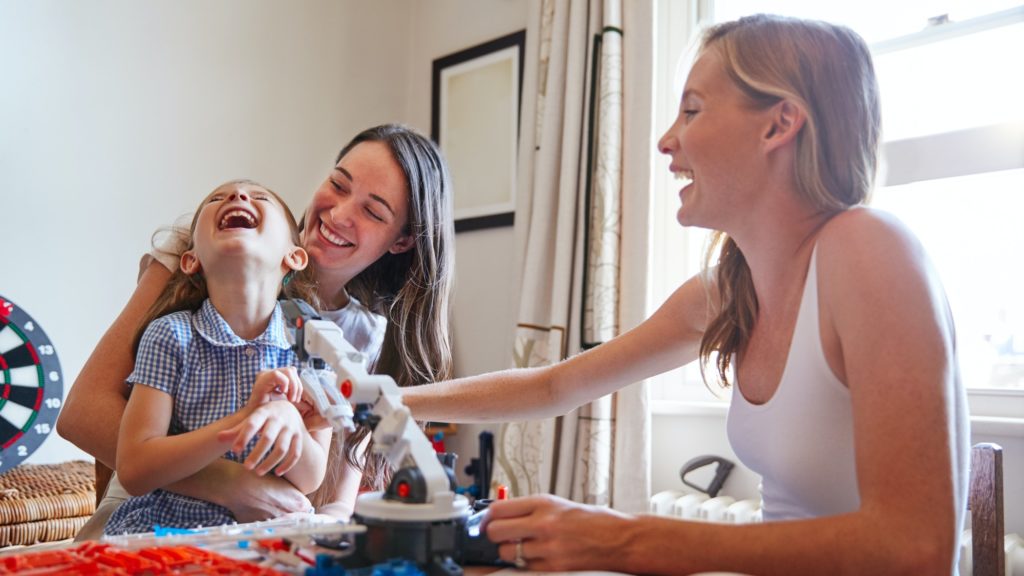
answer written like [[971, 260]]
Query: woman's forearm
[[95, 403], [559, 536], [666, 340], [249, 497], [518, 394], [85, 421], [214, 483], [852, 544]]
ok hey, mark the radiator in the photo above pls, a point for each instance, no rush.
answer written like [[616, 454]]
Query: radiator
[[726, 509], [701, 507]]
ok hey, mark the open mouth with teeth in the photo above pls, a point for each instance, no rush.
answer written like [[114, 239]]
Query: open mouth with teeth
[[685, 176], [333, 238], [237, 219]]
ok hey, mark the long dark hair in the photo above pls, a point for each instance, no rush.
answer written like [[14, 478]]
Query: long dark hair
[[411, 289]]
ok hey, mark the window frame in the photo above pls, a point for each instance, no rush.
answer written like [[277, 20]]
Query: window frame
[[993, 411]]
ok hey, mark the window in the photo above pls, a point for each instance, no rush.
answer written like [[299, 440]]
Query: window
[[953, 162]]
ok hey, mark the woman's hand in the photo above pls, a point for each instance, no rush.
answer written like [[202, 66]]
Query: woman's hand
[[276, 384], [279, 426], [550, 534], [250, 497]]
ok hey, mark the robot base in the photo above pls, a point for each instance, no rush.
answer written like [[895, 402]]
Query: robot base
[[430, 544]]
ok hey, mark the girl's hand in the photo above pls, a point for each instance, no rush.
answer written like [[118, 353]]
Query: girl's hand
[[310, 416], [280, 444], [276, 384]]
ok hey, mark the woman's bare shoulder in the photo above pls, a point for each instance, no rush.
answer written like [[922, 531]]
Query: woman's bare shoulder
[[869, 256], [866, 237]]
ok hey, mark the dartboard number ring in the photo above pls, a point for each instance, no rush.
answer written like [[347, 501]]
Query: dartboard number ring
[[31, 385]]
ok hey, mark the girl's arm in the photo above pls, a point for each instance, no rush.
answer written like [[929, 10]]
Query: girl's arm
[[147, 458], [308, 473], [666, 340], [342, 482], [336, 497], [285, 445], [92, 411]]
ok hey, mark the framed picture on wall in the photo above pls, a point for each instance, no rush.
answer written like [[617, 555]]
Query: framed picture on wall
[[475, 120]]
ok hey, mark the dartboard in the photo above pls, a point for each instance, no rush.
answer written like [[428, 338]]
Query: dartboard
[[31, 389]]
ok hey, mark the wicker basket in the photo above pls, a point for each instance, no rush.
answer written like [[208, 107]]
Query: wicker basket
[[45, 502]]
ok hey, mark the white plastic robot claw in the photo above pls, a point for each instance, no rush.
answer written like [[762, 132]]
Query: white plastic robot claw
[[335, 374]]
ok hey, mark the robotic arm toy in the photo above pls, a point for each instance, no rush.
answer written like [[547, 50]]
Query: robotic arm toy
[[419, 516], [378, 403]]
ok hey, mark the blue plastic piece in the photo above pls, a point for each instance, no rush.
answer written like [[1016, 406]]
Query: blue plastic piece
[[327, 565], [160, 531]]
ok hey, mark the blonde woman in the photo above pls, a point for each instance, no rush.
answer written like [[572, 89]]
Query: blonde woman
[[824, 315]]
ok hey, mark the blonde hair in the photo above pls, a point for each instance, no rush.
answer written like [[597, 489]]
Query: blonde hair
[[826, 70]]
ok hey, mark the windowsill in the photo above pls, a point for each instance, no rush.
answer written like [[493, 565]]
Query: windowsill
[[689, 408], [994, 412]]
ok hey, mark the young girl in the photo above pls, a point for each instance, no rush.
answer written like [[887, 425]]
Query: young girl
[[214, 367], [380, 231]]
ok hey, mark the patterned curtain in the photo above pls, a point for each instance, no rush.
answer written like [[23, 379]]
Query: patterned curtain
[[568, 229]]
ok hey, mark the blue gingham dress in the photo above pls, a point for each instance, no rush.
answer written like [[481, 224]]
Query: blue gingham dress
[[209, 372]]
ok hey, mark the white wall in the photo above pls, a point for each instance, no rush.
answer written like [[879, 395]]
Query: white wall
[[118, 116], [484, 277], [484, 302], [676, 439]]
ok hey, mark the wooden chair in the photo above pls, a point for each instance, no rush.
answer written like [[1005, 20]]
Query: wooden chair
[[985, 500], [103, 475]]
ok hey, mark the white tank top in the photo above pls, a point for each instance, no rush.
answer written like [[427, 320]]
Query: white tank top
[[801, 440]]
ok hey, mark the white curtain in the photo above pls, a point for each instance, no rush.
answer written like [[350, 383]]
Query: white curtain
[[578, 125]]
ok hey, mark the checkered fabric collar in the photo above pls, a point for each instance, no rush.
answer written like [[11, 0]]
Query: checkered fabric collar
[[215, 330]]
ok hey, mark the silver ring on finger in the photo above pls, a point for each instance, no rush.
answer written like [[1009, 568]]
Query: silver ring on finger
[[519, 561]]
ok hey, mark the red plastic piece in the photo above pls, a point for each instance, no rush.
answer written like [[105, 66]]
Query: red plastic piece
[[404, 489], [275, 544], [92, 558]]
